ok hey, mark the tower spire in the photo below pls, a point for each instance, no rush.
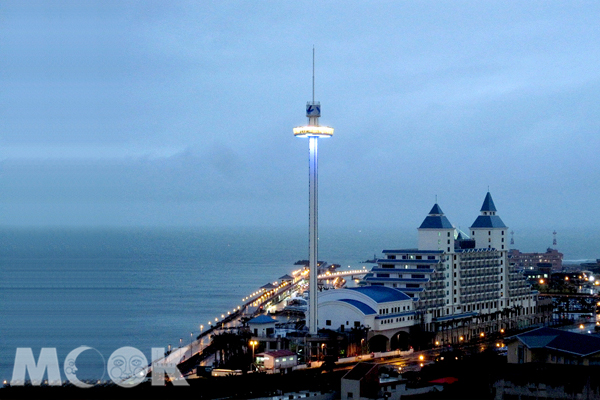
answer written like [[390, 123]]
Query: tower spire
[[313, 76]]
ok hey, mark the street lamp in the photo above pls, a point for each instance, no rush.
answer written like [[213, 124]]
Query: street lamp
[[253, 344]]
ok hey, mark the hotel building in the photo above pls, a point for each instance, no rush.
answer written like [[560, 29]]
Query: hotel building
[[461, 285]]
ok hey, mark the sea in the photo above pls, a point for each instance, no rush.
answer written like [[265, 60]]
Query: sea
[[109, 288]]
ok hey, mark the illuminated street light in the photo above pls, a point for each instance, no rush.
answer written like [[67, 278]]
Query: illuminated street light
[[253, 344]]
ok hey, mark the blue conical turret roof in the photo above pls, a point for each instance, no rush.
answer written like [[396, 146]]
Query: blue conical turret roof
[[488, 218], [488, 203], [436, 210], [436, 220]]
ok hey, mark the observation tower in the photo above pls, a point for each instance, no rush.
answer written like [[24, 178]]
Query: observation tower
[[313, 132]]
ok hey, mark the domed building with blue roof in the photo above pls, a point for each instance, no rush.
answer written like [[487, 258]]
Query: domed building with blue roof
[[388, 312], [459, 287]]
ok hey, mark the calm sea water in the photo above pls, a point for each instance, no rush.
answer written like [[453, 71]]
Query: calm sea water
[[108, 288]]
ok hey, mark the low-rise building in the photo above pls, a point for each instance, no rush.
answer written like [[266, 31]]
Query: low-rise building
[[531, 260], [373, 381], [277, 361], [553, 346], [262, 326], [388, 313]]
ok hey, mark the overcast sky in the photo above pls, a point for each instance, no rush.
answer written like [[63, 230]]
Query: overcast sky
[[181, 113]]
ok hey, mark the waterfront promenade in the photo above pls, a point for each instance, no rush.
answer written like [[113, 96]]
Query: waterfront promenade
[[253, 305]]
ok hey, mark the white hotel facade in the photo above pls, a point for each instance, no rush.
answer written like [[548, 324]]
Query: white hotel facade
[[457, 283]]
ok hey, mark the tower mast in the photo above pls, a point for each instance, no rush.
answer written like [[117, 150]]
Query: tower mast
[[313, 132]]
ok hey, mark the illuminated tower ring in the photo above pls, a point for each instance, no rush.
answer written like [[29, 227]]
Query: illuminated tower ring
[[313, 132]]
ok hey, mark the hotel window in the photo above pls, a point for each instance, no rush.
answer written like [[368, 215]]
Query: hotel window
[[328, 322]]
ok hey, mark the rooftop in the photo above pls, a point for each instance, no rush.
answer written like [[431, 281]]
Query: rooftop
[[278, 353], [381, 294], [262, 319], [488, 204], [488, 221], [359, 371], [557, 339], [365, 309], [436, 220]]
